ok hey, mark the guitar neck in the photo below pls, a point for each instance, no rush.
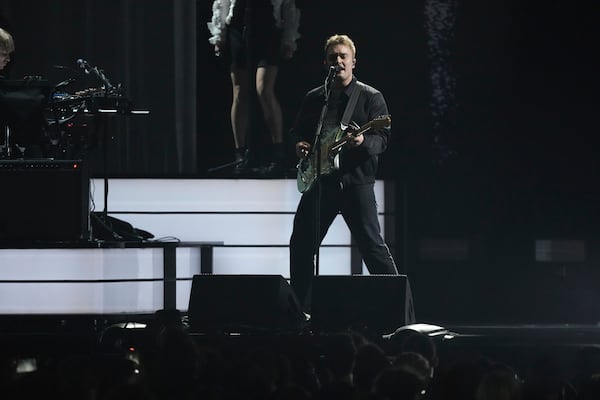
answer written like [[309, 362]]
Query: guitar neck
[[339, 143]]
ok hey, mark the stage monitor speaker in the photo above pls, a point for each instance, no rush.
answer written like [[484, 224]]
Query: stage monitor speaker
[[243, 303], [44, 200], [374, 303]]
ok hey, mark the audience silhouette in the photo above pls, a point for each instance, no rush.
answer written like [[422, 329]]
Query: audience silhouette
[[165, 361]]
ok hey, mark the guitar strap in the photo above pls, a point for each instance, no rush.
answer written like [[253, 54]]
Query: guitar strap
[[350, 106]]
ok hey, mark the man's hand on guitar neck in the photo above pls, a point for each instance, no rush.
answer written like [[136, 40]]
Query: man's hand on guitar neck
[[355, 141], [302, 149]]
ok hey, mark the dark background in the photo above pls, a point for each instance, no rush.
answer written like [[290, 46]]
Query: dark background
[[511, 158]]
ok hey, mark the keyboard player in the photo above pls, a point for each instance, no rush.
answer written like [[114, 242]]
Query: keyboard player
[[21, 108]]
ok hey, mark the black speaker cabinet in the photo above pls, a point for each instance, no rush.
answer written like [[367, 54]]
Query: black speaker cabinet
[[243, 303], [375, 303], [44, 200]]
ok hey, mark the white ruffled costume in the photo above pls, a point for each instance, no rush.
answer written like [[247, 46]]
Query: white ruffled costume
[[287, 18]]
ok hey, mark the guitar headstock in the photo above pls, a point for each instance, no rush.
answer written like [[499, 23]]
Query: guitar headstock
[[383, 121]]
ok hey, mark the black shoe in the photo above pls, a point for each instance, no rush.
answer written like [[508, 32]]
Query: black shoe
[[241, 160], [241, 168]]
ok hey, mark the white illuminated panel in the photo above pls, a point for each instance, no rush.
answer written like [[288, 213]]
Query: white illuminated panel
[[80, 265], [275, 261], [233, 229], [221, 195], [226, 210], [80, 298]]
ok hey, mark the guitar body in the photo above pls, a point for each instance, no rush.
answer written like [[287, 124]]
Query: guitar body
[[331, 146], [307, 169]]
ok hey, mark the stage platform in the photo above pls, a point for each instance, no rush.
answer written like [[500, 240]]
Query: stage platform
[[245, 223]]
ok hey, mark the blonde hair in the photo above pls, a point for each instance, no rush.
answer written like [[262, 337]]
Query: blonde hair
[[340, 39], [6, 41]]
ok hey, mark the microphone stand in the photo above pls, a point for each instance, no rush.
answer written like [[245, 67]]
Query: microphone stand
[[101, 127], [317, 148]]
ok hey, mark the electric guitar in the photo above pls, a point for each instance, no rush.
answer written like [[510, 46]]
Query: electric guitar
[[331, 147]]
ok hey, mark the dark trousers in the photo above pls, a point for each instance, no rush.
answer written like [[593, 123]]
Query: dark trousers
[[358, 207]]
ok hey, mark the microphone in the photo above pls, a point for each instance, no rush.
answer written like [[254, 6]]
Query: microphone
[[329, 80], [333, 70], [95, 72], [84, 65]]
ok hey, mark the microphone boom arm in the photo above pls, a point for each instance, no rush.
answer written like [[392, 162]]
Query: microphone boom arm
[[85, 66]]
